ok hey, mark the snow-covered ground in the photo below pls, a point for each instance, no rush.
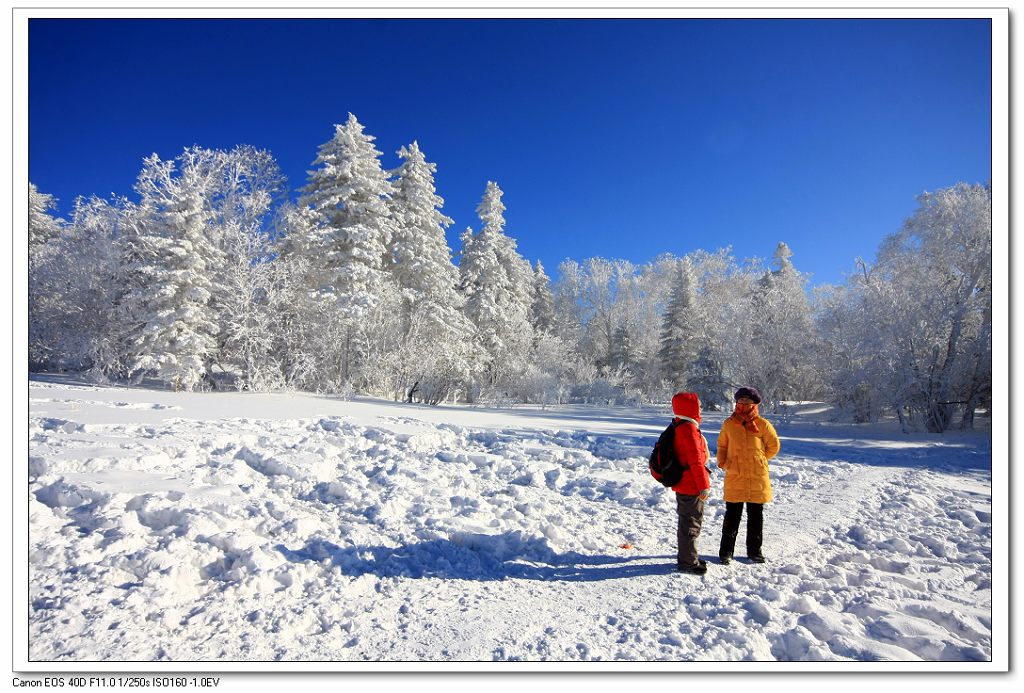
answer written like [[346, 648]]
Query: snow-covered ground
[[194, 527]]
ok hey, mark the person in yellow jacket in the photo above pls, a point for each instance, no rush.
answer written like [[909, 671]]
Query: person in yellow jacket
[[745, 445]]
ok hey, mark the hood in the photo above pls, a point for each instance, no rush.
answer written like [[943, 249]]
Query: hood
[[686, 404]]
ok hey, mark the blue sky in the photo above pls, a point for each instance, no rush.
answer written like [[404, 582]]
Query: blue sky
[[613, 138]]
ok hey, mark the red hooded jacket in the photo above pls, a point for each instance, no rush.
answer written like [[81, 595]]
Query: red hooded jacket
[[691, 447]]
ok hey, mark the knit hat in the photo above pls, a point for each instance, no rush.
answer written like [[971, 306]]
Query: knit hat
[[750, 392], [686, 404]]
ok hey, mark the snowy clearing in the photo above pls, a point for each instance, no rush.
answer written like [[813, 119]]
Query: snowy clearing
[[186, 527]]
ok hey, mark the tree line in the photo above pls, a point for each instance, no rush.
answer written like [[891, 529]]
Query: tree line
[[213, 278]]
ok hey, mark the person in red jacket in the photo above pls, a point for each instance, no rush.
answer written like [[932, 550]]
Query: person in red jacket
[[691, 448]]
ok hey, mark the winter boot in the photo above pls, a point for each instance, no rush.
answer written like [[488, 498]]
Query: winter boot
[[700, 568]]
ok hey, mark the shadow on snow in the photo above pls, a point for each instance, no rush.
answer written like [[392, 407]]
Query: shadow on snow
[[478, 557], [943, 454]]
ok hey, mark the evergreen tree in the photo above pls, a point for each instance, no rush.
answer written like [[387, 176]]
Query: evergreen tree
[[542, 310], [434, 334], [680, 329], [347, 245], [498, 284], [706, 379], [422, 266], [773, 335], [623, 353], [348, 192], [170, 326]]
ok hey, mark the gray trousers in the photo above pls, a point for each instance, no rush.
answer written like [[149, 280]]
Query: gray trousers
[[691, 515]]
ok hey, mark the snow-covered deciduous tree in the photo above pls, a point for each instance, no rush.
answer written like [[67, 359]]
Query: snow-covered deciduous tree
[[854, 357], [551, 373], [70, 301], [249, 321], [43, 227], [43, 277], [587, 296], [94, 281], [242, 205], [922, 314], [300, 312], [642, 295], [608, 308]]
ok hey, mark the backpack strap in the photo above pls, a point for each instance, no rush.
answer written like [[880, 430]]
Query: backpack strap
[[676, 422]]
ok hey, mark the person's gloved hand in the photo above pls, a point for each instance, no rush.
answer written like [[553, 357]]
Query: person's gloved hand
[[705, 493]]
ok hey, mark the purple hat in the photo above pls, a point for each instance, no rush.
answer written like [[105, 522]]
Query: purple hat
[[750, 392]]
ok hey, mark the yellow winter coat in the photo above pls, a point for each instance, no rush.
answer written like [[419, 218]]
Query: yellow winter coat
[[744, 457]]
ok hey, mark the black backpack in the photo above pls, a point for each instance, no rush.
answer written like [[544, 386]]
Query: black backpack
[[664, 465]]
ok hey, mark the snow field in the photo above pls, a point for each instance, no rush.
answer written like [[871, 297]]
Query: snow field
[[330, 539]]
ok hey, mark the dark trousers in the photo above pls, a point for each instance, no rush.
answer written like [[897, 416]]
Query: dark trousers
[[731, 527], [690, 510]]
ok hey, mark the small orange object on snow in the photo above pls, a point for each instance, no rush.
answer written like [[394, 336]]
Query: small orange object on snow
[[625, 546]]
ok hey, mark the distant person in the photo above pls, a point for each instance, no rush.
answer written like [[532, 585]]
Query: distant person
[[691, 448], [745, 445]]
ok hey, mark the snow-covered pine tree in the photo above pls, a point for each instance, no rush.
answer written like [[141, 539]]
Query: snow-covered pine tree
[[305, 318], [542, 310], [349, 249], [422, 258], [777, 355], [680, 328], [706, 379], [623, 367], [168, 263], [349, 192], [518, 271], [623, 352], [498, 284], [435, 335]]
